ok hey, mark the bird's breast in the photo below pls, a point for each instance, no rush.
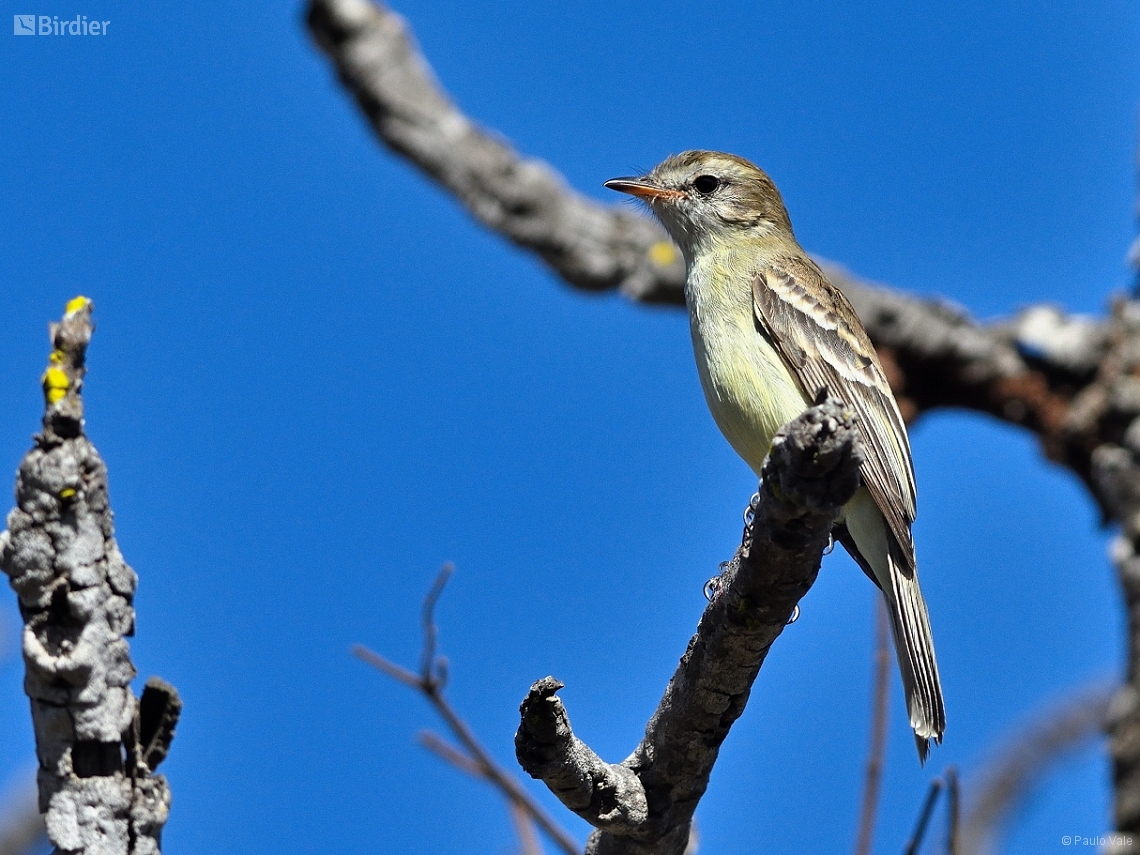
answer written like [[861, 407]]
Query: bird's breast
[[749, 389]]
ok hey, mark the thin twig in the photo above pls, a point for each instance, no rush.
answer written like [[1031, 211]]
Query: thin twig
[[952, 795], [924, 818], [396, 672], [524, 827], [478, 762], [430, 669], [499, 776], [881, 694], [520, 817], [435, 743]]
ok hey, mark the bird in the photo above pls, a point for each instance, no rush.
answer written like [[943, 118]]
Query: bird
[[770, 332]]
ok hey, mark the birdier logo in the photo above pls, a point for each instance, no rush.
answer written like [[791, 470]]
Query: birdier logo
[[51, 25]]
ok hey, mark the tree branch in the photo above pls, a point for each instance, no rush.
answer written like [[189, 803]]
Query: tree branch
[[645, 804], [525, 200], [940, 357], [924, 815], [75, 594], [477, 761], [953, 821], [1113, 403], [880, 694], [524, 827]]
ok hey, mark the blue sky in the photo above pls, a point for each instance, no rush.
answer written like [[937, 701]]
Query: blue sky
[[314, 380]]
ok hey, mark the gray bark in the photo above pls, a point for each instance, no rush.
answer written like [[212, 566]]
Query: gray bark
[[645, 803], [96, 752]]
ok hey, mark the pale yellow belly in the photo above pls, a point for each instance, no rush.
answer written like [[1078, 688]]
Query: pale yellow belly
[[749, 390]]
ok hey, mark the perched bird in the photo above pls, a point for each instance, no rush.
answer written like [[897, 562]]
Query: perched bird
[[769, 332]]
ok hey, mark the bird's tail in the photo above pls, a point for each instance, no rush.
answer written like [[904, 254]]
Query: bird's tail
[[892, 566]]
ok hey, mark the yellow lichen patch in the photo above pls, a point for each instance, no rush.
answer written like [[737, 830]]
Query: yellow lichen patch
[[662, 253], [67, 493], [56, 357], [55, 384], [75, 304]]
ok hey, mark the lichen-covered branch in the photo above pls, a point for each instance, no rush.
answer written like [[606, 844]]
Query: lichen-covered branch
[[97, 746], [645, 803]]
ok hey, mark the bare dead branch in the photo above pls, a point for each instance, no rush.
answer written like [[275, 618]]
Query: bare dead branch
[[953, 819], [1018, 767], [880, 694], [450, 754], [608, 796], [75, 594], [924, 815], [520, 818], [524, 826], [396, 672], [1021, 370], [433, 670], [591, 247], [645, 803], [477, 761]]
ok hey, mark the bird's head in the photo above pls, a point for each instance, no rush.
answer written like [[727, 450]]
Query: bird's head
[[703, 196]]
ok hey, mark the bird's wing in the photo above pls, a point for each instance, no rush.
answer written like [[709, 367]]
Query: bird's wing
[[823, 342]]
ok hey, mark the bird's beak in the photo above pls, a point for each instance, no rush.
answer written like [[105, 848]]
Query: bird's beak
[[642, 189]]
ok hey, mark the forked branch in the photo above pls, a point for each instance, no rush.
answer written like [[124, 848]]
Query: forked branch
[[473, 759], [644, 805]]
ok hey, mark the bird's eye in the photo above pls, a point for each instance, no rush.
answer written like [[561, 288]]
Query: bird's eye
[[705, 184]]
